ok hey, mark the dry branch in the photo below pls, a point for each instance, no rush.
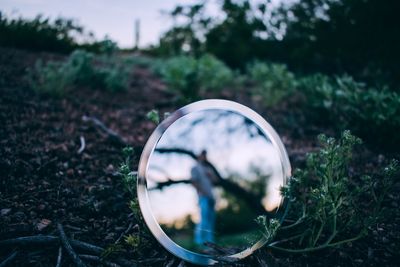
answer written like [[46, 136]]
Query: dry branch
[[50, 240], [124, 233], [9, 259], [65, 242], [83, 144], [112, 135], [54, 240], [59, 257]]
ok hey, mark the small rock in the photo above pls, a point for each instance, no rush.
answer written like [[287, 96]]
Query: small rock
[[110, 168], [110, 236], [43, 224], [4, 212]]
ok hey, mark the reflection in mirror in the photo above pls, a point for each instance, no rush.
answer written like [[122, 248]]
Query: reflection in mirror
[[210, 175]]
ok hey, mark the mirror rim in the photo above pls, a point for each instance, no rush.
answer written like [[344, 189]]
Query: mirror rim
[[142, 193]]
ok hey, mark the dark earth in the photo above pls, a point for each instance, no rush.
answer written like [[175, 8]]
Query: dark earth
[[45, 181]]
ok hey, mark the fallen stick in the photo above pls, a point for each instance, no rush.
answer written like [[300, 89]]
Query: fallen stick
[[83, 144], [9, 259], [59, 257], [112, 135], [124, 233], [50, 240], [54, 240], [64, 240]]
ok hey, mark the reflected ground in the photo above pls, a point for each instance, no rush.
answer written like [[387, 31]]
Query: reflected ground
[[249, 171]]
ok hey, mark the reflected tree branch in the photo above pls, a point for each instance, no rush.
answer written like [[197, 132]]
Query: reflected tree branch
[[250, 198], [169, 182]]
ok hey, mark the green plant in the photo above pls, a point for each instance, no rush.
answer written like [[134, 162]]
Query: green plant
[[328, 202], [190, 77], [271, 82], [111, 250], [268, 227], [372, 113], [40, 33], [129, 177], [153, 116], [80, 69], [132, 241]]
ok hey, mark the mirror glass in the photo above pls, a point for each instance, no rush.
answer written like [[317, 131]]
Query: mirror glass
[[209, 174]]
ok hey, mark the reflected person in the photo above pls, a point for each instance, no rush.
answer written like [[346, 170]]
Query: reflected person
[[203, 178]]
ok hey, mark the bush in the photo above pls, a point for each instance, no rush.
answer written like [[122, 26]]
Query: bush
[[39, 33], [191, 77], [370, 112], [329, 204], [80, 69], [271, 82]]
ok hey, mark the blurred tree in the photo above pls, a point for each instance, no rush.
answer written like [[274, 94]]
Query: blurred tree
[[359, 37], [185, 36], [234, 38], [43, 34], [332, 36]]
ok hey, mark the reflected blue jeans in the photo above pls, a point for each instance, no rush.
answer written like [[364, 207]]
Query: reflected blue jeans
[[204, 231]]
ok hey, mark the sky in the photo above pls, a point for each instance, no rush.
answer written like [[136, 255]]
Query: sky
[[115, 19]]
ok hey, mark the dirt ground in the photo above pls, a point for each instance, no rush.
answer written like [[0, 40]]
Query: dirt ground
[[45, 181]]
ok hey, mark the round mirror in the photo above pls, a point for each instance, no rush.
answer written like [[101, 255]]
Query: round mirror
[[206, 173]]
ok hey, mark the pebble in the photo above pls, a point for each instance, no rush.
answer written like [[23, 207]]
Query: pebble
[[4, 212]]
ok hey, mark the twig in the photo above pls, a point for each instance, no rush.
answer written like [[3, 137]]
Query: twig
[[112, 135], [50, 240], [97, 259], [59, 257], [68, 247], [54, 240], [312, 249], [124, 233], [75, 228], [170, 263], [9, 259], [83, 144]]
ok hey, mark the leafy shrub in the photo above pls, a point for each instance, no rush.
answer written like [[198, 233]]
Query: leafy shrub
[[80, 69], [213, 74], [328, 202], [43, 34], [370, 112], [39, 33], [191, 77], [272, 82]]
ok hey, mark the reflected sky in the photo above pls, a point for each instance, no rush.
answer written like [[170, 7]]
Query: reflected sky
[[235, 146]]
